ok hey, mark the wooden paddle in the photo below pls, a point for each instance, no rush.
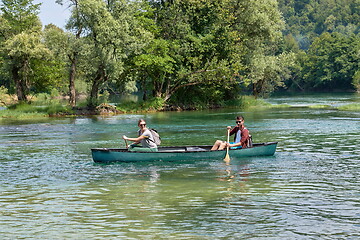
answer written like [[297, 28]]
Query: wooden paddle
[[126, 145], [227, 157]]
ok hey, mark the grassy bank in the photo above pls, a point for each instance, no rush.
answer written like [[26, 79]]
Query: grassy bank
[[43, 107], [157, 104], [33, 110]]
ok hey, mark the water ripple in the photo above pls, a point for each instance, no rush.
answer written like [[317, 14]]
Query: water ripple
[[50, 188]]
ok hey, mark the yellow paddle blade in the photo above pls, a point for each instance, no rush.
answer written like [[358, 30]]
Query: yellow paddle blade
[[227, 157]]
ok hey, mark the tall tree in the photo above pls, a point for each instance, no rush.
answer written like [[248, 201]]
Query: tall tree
[[270, 72], [111, 34], [21, 36], [75, 25], [258, 26], [207, 43], [191, 47], [56, 69]]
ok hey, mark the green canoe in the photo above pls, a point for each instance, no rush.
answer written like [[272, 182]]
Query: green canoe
[[106, 155]]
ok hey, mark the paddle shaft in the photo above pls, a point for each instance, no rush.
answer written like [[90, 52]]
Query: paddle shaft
[[227, 157]]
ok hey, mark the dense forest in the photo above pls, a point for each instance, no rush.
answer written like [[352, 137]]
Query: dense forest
[[187, 51]]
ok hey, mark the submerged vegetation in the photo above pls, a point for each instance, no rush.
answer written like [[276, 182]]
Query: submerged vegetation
[[350, 107]]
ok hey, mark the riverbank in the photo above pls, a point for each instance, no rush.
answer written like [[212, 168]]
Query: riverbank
[[54, 108]]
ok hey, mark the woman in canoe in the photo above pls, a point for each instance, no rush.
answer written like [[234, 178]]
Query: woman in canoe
[[241, 140], [144, 142]]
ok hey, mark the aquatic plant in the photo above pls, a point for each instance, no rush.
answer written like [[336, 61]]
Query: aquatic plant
[[350, 107]]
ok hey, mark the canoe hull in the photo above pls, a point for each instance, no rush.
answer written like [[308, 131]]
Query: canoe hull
[[106, 155]]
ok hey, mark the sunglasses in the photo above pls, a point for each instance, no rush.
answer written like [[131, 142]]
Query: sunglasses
[[238, 121], [142, 124]]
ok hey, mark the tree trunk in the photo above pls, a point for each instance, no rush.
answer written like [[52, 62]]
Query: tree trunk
[[19, 84], [94, 94], [144, 97], [74, 60], [255, 90], [72, 91]]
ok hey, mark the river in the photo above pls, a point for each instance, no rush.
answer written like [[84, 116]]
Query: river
[[51, 189]]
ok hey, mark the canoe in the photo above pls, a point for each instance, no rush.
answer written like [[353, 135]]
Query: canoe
[[180, 153]]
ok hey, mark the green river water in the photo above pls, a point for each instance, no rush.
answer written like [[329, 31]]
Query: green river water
[[50, 188]]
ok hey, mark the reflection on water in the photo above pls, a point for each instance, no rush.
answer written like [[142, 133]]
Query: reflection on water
[[50, 187]]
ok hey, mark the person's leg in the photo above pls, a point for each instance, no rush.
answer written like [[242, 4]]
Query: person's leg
[[132, 146], [147, 150], [143, 149], [222, 146], [217, 145]]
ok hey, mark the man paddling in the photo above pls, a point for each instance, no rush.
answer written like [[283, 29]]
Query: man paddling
[[241, 138]]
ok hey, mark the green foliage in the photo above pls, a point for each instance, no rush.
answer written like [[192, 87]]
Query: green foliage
[[202, 96], [331, 62], [356, 81], [104, 97], [3, 90], [309, 19], [18, 16], [54, 71], [48, 75], [58, 109], [3, 96], [250, 103], [320, 106], [350, 107], [6, 114], [111, 34], [204, 43], [329, 30], [25, 45], [43, 98], [21, 36], [191, 53], [25, 110], [82, 86], [247, 102], [5, 79], [269, 72], [153, 104]]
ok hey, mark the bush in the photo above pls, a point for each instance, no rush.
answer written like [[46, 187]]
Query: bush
[[249, 102], [154, 104], [252, 102], [26, 110], [5, 98], [356, 81]]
